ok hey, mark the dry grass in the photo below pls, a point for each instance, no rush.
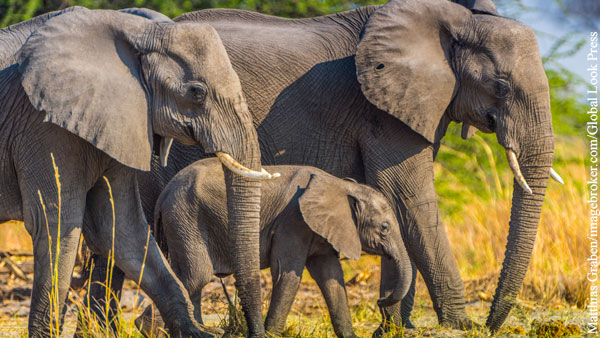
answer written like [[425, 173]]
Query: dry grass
[[558, 265]]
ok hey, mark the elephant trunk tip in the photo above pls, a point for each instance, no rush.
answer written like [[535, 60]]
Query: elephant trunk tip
[[402, 285]]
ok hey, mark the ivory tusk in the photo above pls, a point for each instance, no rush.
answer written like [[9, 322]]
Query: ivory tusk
[[165, 148], [514, 166], [239, 169], [556, 176]]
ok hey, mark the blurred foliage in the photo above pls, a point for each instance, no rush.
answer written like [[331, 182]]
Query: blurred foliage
[[13, 11]]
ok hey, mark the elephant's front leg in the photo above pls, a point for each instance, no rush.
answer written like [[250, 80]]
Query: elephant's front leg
[[327, 272], [399, 163], [135, 250], [54, 224], [53, 266]]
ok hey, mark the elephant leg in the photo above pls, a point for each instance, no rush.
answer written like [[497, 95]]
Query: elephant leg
[[286, 280], [52, 278], [287, 259], [55, 227], [327, 272], [102, 288], [128, 236], [191, 263], [399, 163], [150, 322]]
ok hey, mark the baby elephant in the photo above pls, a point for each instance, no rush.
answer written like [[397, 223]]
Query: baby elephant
[[308, 218]]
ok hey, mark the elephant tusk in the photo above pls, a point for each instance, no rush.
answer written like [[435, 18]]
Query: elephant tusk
[[239, 169], [556, 176], [514, 166], [165, 148]]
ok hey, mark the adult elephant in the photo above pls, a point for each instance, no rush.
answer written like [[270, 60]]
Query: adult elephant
[[369, 94], [81, 101]]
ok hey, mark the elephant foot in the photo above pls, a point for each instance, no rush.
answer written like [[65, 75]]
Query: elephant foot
[[384, 329], [215, 331], [195, 333], [461, 323], [151, 324]]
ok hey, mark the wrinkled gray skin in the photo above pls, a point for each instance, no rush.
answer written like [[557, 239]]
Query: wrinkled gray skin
[[369, 94], [86, 87], [308, 218]]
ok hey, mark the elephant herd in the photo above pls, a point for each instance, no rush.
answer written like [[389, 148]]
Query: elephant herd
[[106, 118]]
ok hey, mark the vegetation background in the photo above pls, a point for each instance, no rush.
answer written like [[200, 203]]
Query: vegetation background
[[472, 177]]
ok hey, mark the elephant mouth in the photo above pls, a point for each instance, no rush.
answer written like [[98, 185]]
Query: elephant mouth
[[241, 170], [227, 160]]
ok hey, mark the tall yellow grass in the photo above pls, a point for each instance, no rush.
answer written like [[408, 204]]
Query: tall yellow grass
[[54, 294], [478, 233]]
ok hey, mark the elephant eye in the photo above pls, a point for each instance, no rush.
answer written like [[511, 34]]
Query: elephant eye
[[198, 92], [502, 89], [385, 228], [491, 120]]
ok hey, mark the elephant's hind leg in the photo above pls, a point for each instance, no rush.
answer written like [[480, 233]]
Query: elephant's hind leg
[[193, 276], [327, 272], [135, 250], [102, 288]]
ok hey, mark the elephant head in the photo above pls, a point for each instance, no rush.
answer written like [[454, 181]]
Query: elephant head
[[116, 80], [354, 217], [428, 62]]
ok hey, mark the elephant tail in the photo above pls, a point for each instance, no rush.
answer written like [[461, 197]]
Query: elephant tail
[[159, 234]]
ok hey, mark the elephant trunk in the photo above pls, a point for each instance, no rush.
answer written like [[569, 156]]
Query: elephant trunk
[[243, 204], [402, 273], [534, 165]]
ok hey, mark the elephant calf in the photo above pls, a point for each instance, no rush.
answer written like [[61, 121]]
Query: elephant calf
[[308, 218]]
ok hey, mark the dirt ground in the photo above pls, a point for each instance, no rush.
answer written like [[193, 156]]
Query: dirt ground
[[309, 311]]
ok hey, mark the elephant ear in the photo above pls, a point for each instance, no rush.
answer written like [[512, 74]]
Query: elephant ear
[[83, 70], [325, 207], [479, 6], [13, 37], [403, 60]]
